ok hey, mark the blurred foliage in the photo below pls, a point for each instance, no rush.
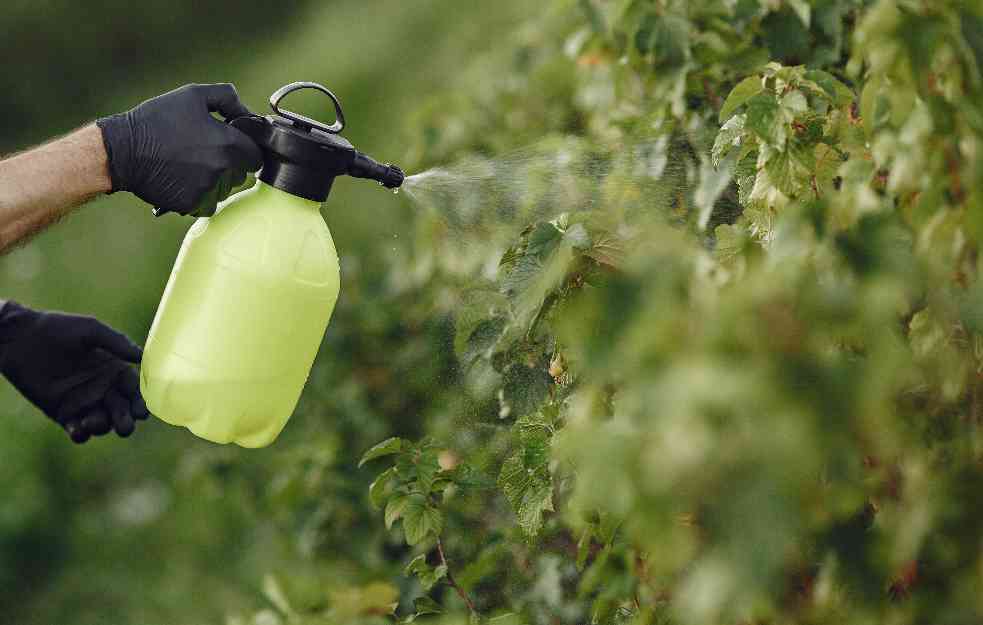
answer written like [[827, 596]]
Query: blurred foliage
[[727, 369], [72, 55]]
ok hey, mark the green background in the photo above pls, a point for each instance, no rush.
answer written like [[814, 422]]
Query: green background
[[150, 529]]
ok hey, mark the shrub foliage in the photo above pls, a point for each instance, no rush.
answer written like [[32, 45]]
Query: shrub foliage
[[721, 365]]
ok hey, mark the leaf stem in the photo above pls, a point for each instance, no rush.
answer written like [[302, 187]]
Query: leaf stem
[[452, 581]]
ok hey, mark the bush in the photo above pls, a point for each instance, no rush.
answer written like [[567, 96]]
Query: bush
[[741, 385]]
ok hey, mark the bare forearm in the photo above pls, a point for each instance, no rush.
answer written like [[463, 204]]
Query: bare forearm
[[40, 186]]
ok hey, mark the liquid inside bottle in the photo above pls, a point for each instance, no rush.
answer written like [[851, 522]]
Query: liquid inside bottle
[[242, 317]]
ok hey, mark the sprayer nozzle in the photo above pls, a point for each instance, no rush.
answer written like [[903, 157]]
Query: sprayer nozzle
[[387, 175], [394, 177]]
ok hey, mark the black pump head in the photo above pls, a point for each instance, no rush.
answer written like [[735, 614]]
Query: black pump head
[[303, 156]]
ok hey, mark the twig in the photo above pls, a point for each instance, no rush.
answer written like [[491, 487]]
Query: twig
[[452, 581]]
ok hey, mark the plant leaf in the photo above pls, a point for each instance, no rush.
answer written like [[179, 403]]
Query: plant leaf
[[803, 10], [713, 182], [377, 490], [420, 520], [523, 390], [729, 137], [385, 448], [739, 95], [795, 101], [395, 509], [426, 574], [764, 119], [525, 477], [426, 605], [275, 595], [834, 89]]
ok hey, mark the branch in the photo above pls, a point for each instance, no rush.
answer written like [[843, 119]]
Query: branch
[[452, 581]]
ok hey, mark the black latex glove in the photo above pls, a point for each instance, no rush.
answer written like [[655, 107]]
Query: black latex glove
[[172, 153], [77, 370]]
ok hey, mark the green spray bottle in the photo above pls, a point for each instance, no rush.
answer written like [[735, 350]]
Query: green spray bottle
[[254, 286]]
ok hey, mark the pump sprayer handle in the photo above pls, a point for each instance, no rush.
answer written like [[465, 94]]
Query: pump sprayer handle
[[302, 121]]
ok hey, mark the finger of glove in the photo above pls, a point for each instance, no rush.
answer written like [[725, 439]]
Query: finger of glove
[[207, 203], [229, 181], [79, 400], [76, 432], [119, 413], [138, 408], [96, 422], [243, 153], [90, 392], [101, 336], [224, 99], [129, 385]]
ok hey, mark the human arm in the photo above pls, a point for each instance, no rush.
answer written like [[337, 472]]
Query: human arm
[[42, 185], [169, 151]]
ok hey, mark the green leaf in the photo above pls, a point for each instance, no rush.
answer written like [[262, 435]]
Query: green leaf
[[729, 137], [832, 87], [484, 336], [764, 119], [385, 448], [870, 99], [353, 604], [731, 241], [828, 162], [781, 173], [420, 520], [525, 262], [583, 546], [745, 186], [523, 390], [525, 478], [795, 101], [427, 468], [925, 333], [543, 240], [594, 16], [275, 595], [713, 182], [377, 490], [785, 36], [426, 574], [666, 37], [803, 10], [607, 250], [645, 35], [426, 605], [671, 41], [395, 509], [739, 95], [578, 237]]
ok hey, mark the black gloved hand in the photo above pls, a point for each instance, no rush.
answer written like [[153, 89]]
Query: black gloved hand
[[172, 153], [75, 369]]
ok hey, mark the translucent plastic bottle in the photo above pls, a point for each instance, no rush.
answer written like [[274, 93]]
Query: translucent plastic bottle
[[253, 287], [242, 317]]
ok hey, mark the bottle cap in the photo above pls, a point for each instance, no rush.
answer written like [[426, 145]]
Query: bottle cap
[[303, 156]]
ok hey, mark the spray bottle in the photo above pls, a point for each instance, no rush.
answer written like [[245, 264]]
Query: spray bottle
[[254, 286]]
